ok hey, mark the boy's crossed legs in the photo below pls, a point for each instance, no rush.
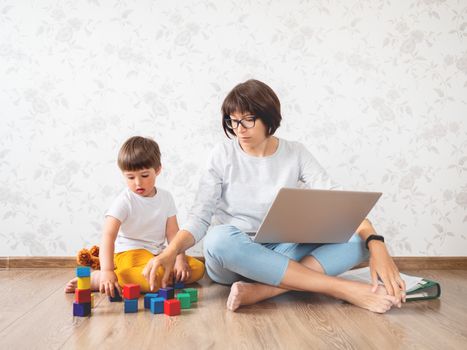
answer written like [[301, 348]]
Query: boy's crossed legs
[[129, 266]]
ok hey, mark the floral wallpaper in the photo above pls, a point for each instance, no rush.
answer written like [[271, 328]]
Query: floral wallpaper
[[376, 89]]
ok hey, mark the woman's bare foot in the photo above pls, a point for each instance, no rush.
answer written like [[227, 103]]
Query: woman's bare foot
[[242, 293], [71, 285], [360, 294]]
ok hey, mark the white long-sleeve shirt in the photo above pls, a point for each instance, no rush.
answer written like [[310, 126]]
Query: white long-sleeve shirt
[[237, 189]]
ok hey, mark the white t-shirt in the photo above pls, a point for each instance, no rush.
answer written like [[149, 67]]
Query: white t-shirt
[[143, 220], [237, 189]]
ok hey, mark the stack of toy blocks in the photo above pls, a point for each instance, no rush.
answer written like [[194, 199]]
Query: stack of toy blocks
[[131, 294], [82, 303]]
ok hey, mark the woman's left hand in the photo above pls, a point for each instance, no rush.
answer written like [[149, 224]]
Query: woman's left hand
[[382, 265]]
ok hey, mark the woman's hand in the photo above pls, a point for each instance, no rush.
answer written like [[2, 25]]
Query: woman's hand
[[166, 260], [109, 283], [382, 265], [182, 271]]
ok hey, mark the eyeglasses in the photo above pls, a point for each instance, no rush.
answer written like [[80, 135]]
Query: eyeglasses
[[247, 122]]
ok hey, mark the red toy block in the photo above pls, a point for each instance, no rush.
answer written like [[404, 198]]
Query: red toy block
[[172, 307], [131, 291], [82, 296]]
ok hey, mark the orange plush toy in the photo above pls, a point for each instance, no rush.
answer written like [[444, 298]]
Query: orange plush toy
[[89, 257]]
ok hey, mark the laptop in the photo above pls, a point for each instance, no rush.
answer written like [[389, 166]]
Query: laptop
[[314, 216]]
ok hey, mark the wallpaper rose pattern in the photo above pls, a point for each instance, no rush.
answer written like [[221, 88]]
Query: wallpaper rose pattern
[[376, 89]]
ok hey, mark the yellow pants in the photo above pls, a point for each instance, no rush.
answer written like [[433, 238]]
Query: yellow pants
[[129, 267]]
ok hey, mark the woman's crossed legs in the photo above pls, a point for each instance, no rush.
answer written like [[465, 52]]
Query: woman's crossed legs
[[232, 256]]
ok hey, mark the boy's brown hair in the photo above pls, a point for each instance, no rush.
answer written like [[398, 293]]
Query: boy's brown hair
[[139, 153], [257, 98]]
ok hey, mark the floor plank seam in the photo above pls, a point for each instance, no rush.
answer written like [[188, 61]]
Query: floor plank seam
[[30, 309]]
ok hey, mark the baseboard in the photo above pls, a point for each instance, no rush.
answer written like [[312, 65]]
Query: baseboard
[[404, 263]]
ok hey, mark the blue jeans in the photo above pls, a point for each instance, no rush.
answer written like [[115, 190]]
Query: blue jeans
[[231, 255]]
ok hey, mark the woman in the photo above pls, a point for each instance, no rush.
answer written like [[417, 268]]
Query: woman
[[241, 181]]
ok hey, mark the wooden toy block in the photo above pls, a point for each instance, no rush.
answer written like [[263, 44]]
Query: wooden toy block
[[179, 285], [83, 295], [131, 291], [83, 271], [131, 305], [157, 305], [166, 293], [93, 298], [84, 282], [81, 309], [147, 299], [193, 294], [172, 307], [184, 298], [116, 298]]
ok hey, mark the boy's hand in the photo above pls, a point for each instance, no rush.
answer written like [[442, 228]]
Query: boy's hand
[[108, 283], [166, 260], [182, 270]]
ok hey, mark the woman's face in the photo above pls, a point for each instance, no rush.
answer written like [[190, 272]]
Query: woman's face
[[247, 135]]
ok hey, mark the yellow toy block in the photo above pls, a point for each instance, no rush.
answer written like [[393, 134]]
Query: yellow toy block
[[93, 295], [84, 282]]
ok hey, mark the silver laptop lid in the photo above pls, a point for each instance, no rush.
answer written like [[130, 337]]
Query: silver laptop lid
[[315, 216]]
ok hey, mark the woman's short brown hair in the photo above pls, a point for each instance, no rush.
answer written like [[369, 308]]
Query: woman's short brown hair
[[253, 96], [139, 153]]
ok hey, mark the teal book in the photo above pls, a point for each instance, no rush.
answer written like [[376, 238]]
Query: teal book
[[425, 289]]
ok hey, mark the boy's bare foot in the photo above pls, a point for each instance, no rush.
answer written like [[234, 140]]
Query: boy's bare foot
[[242, 293], [71, 285], [360, 294]]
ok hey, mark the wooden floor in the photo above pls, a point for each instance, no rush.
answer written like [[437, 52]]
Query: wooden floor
[[36, 314]]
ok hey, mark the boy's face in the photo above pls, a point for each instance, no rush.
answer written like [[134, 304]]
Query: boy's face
[[142, 181]]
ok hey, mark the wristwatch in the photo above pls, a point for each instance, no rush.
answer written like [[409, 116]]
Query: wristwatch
[[373, 237]]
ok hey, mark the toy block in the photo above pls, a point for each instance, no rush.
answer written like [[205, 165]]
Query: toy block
[[81, 309], [131, 291], [157, 305], [147, 299], [193, 294], [93, 298], [83, 295], [116, 298], [179, 285], [184, 300], [83, 271], [84, 282], [131, 305], [166, 293], [172, 307]]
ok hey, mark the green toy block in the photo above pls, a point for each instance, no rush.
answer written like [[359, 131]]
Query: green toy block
[[184, 300], [193, 294]]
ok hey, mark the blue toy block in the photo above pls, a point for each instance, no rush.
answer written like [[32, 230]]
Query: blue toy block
[[179, 285], [131, 305], [81, 309], [157, 305], [116, 298], [147, 299], [83, 271], [166, 293]]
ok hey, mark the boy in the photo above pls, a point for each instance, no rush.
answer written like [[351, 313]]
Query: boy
[[137, 224]]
